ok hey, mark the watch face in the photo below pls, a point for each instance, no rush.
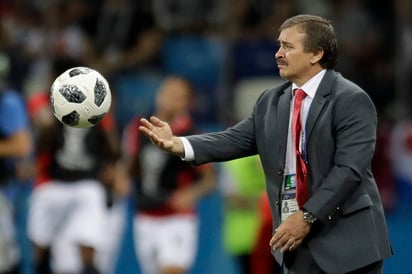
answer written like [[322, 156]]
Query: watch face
[[308, 217]]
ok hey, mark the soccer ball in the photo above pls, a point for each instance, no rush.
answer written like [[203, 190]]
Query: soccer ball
[[80, 97]]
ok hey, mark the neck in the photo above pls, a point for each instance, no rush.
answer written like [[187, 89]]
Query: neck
[[315, 69]]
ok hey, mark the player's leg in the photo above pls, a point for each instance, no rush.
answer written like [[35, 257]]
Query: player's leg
[[87, 222], [146, 230], [48, 205], [178, 243], [68, 256], [65, 258]]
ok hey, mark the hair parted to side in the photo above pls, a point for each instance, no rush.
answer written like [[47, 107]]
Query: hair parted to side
[[320, 35]]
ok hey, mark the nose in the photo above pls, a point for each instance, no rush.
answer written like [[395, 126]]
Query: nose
[[279, 53]]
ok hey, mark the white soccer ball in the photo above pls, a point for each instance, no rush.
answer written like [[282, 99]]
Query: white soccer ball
[[80, 97]]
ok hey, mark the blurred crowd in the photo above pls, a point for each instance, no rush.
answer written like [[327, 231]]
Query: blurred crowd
[[118, 37], [224, 48], [123, 37]]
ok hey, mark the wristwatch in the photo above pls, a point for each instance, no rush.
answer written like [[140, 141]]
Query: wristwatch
[[309, 217]]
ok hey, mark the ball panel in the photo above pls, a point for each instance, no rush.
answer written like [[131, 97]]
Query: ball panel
[[72, 93], [100, 92], [78, 71], [72, 119], [96, 119]]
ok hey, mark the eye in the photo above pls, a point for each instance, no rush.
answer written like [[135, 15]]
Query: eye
[[285, 46]]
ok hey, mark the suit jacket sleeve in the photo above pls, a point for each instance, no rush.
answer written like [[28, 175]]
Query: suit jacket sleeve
[[235, 142]]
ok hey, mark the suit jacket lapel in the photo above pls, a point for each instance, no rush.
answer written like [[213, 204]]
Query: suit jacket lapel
[[283, 118], [321, 98]]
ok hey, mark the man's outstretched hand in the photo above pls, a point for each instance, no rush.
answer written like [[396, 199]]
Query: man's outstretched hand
[[160, 133]]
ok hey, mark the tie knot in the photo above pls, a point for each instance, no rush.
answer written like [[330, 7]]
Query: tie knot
[[300, 94]]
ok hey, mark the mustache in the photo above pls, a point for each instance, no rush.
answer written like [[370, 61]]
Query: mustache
[[280, 62]]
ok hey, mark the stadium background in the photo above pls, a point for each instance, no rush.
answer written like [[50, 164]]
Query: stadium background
[[226, 48]]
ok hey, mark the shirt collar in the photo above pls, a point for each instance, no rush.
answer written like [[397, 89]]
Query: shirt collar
[[312, 85]]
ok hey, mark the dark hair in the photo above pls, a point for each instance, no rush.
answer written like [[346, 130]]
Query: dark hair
[[320, 35]]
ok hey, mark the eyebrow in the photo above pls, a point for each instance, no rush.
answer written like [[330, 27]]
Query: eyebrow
[[284, 42]]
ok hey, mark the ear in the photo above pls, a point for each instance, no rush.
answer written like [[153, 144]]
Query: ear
[[316, 56]]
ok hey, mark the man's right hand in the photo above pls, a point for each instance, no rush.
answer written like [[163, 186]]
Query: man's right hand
[[161, 135]]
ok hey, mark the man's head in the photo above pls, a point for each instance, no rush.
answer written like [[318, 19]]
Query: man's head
[[174, 98], [307, 44]]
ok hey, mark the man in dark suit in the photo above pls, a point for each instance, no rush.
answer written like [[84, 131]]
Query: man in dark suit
[[316, 152]]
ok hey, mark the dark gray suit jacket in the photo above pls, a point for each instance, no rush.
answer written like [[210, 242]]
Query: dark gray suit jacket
[[340, 142]]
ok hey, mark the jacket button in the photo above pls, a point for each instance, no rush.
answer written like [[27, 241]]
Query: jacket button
[[280, 172]]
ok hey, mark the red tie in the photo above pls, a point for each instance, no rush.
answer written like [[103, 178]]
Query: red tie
[[301, 170]]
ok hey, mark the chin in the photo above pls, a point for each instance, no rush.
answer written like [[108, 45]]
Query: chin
[[282, 74]]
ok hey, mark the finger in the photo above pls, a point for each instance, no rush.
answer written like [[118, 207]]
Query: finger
[[272, 241], [152, 135], [289, 245], [275, 238], [146, 123], [156, 121], [279, 242], [145, 131]]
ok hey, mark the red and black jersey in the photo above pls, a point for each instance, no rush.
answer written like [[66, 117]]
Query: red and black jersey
[[155, 173], [78, 153], [70, 154]]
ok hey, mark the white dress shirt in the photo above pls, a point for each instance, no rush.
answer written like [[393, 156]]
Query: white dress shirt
[[309, 88]]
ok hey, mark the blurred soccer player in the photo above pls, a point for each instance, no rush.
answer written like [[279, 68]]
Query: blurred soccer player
[[15, 146], [68, 204], [167, 189]]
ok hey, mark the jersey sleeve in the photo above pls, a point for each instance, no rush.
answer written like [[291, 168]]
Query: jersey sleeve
[[108, 122], [37, 102], [13, 114]]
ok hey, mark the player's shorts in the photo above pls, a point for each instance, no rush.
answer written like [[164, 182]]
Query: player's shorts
[[106, 254], [165, 241], [64, 216]]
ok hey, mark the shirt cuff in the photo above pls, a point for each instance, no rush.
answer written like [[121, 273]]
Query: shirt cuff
[[189, 153]]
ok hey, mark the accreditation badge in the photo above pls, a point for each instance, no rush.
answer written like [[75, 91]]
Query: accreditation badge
[[289, 203], [290, 182]]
